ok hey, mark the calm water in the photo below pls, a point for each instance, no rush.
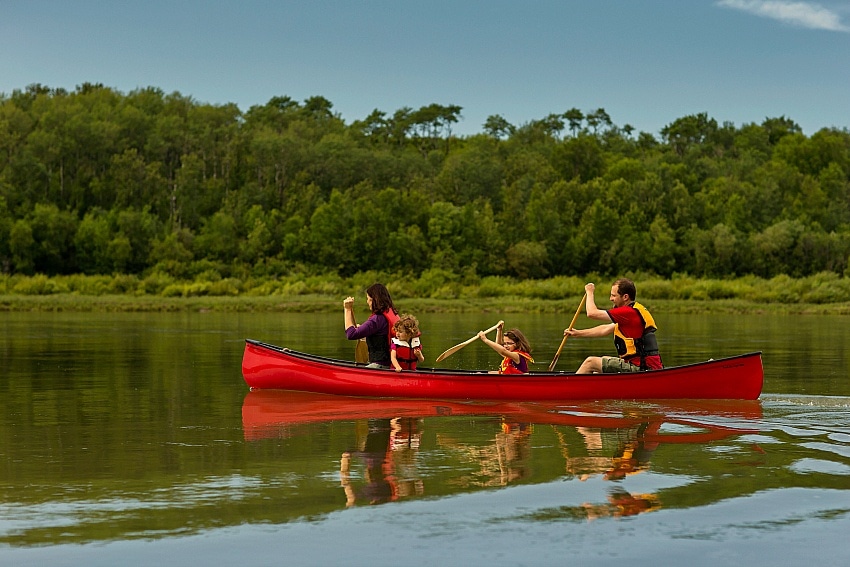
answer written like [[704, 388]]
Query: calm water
[[131, 439]]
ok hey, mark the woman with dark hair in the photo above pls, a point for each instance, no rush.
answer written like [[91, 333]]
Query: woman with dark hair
[[514, 348], [377, 328]]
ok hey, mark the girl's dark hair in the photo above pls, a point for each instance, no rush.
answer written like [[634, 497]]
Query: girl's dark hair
[[381, 300], [521, 342]]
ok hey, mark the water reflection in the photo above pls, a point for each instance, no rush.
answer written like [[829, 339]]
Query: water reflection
[[505, 459], [399, 445], [632, 449], [387, 449], [133, 435]]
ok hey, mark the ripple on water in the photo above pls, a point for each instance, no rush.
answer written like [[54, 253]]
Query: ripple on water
[[819, 466]]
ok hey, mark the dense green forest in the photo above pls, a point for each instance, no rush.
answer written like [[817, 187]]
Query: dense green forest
[[96, 181]]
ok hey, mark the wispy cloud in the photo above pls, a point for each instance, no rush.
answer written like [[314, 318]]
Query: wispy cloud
[[805, 14]]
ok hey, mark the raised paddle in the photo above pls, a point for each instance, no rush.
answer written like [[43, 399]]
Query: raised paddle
[[572, 324], [457, 347]]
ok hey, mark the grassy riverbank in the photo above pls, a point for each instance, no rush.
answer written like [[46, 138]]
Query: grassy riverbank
[[327, 304], [433, 291]]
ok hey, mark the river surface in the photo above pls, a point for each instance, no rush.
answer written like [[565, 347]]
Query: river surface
[[131, 439]]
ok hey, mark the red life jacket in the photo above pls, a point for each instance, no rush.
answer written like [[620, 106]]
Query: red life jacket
[[391, 316], [405, 353], [509, 367]]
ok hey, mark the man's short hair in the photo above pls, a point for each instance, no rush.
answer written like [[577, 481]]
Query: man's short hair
[[626, 287]]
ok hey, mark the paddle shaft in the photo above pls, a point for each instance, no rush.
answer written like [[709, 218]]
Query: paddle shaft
[[361, 351], [457, 347], [564, 340]]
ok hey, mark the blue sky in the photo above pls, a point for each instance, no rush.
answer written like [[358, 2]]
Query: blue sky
[[646, 62]]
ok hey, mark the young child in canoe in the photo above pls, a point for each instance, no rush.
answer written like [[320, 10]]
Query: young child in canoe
[[406, 348], [513, 346]]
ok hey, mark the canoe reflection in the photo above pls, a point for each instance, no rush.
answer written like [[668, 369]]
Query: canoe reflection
[[609, 442]]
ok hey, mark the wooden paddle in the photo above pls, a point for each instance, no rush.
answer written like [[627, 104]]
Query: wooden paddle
[[361, 351], [572, 324], [457, 347]]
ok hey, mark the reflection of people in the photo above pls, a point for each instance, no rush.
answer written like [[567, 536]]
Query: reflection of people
[[504, 461], [405, 439], [514, 348], [633, 457], [376, 329], [622, 503], [613, 452], [633, 329], [514, 450], [388, 451], [406, 347], [375, 453]]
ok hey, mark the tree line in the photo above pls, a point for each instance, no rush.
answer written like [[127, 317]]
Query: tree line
[[96, 181]]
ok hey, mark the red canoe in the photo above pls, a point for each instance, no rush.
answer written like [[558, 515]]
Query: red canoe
[[266, 366]]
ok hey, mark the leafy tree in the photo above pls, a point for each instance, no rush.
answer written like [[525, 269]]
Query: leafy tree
[[597, 119], [575, 117], [120, 252], [175, 247], [22, 247], [258, 243], [53, 234], [835, 185], [432, 124], [407, 249], [6, 222], [497, 127], [92, 243], [777, 128], [552, 219], [218, 238], [136, 230], [580, 157], [553, 125], [527, 259], [329, 235], [375, 126], [717, 252], [470, 174], [662, 249], [689, 131]]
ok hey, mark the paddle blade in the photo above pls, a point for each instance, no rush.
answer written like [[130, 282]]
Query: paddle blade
[[450, 351], [361, 352], [456, 348]]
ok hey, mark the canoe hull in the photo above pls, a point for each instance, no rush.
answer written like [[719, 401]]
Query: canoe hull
[[266, 366]]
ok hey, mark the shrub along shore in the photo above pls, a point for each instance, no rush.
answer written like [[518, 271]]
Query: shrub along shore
[[433, 291]]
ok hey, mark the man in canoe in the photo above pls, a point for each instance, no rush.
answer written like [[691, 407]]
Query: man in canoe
[[633, 329]]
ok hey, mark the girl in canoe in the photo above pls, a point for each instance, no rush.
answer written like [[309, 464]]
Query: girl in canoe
[[513, 346], [377, 328], [405, 347]]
